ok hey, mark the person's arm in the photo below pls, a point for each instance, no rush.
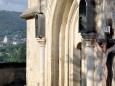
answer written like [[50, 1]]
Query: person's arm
[[111, 49]]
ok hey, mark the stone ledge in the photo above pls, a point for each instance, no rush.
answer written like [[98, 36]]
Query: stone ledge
[[41, 41], [30, 13]]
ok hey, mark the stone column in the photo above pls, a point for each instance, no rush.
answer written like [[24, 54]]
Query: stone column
[[83, 65], [42, 61], [89, 63], [89, 54]]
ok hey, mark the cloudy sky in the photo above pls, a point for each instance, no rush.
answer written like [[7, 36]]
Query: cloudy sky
[[13, 5]]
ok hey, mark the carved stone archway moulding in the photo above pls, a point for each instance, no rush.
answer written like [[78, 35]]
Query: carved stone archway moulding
[[72, 38], [71, 32], [60, 22]]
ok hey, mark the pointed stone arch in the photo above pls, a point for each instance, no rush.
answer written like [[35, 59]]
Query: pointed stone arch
[[62, 42], [72, 58], [58, 44], [65, 57], [55, 38]]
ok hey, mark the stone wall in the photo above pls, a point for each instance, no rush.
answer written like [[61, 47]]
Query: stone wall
[[62, 57], [12, 74]]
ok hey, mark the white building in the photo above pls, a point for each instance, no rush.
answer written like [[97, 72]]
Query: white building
[[5, 40], [14, 43]]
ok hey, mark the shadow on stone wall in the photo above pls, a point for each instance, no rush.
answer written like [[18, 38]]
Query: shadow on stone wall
[[12, 74]]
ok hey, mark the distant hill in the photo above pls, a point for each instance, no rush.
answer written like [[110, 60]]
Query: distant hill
[[12, 25]]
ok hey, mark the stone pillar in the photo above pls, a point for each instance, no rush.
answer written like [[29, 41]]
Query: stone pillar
[[42, 61], [89, 63], [83, 65]]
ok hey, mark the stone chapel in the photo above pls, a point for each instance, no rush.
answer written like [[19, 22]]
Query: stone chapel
[[60, 51]]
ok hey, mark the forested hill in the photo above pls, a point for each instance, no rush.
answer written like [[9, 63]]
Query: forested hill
[[11, 25]]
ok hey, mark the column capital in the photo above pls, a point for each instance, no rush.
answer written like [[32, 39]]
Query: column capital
[[89, 42], [42, 41], [88, 36]]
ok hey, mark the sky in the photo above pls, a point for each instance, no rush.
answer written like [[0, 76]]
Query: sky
[[13, 5]]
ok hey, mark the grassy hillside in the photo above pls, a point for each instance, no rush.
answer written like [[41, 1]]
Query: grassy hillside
[[12, 25]]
